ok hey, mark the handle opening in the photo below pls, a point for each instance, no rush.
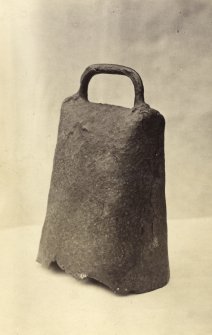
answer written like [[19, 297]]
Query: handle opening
[[113, 90], [95, 69]]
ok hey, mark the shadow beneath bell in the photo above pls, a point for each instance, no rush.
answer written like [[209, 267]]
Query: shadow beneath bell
[[96, 283], [55, 268]]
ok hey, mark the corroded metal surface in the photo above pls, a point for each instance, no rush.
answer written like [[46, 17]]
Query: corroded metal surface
[[106, 215]]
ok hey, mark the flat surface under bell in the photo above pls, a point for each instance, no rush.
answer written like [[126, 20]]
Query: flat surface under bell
[[35, 300]]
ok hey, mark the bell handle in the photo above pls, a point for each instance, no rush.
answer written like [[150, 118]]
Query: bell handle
[[94, 69]]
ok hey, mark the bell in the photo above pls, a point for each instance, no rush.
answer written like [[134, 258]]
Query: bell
[[106, 213]]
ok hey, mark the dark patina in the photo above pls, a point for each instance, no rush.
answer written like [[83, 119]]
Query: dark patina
[[106, 215]]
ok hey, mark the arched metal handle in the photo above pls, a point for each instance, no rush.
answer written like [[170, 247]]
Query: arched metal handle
[[94, 69]]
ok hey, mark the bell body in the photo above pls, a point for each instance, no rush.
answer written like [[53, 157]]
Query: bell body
[[106, 214]]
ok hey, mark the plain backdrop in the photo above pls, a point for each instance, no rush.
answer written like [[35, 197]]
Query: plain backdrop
[[46, 45]]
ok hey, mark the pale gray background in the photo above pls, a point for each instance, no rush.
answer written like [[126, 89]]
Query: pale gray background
[[46, 44]]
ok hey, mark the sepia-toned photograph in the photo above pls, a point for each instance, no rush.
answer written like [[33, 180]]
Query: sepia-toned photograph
[[106, 167]]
